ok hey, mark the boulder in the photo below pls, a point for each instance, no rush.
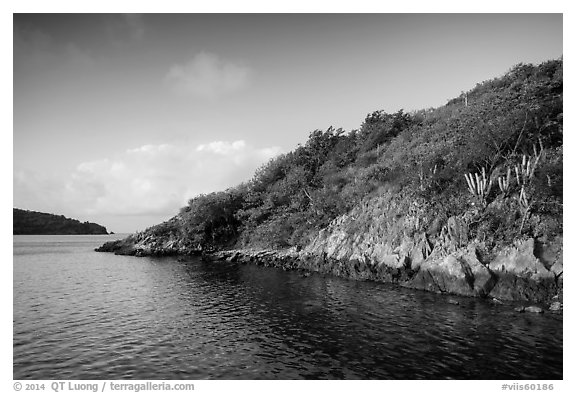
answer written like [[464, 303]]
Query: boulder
[[550, 253], [557, 268], [481, 279], [394, 261], [457, 231], [421, 250], [520, 275], [520, 260], [512, 287], [534, 309], [555, 306], [459, 273], [442, 274]]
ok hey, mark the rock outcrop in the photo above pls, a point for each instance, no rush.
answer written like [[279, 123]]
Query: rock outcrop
[[376, 243], [143, 244], [458, 273], [520, 275]]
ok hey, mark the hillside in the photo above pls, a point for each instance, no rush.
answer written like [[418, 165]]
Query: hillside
[[36, 223], [472, 190]]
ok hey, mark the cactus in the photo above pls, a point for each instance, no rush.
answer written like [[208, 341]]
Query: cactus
[[524, 174], [504, 182], [525, 170], [526, 204], [479, 185], [523, 198]]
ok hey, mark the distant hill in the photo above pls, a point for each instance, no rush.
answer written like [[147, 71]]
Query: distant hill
[[36, 223]]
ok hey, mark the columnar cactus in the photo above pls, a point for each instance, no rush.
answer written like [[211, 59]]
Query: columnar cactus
[[525, 171], [504, 182], [479, 185], [523, 198], [524, 175]]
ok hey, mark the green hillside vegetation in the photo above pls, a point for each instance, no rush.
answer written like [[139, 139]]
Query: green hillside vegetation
[[493, 154], [35, 223]]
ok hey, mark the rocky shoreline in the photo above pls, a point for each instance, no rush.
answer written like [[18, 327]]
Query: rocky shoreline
[[453, 275], [511, 274]]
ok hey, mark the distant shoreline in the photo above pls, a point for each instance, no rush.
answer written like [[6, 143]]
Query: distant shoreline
[[64, 234], [28, 222]]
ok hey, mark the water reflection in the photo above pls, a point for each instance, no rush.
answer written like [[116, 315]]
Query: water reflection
[[350, 329], [80, 314]]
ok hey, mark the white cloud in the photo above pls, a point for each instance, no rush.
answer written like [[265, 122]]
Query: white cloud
[[224, 148], [208, 76], [148, 180]]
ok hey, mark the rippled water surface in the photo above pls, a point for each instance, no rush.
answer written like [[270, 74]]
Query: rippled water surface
[[79, 314]]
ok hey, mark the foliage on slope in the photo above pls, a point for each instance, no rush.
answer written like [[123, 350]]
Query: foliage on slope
[[492, 133]]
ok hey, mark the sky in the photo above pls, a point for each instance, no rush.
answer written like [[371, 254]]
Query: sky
[[121, 119]]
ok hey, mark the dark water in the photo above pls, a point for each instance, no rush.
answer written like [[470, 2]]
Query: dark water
[[79, 314]]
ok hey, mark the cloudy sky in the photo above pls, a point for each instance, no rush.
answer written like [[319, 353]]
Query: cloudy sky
[[120, 119]]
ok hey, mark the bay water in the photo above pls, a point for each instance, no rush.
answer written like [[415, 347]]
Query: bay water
[[79, 314]]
